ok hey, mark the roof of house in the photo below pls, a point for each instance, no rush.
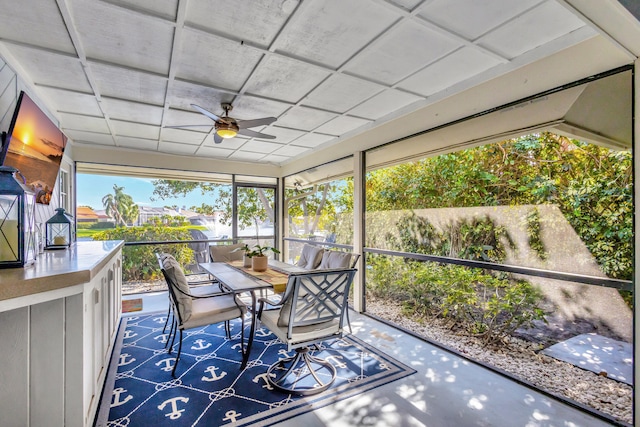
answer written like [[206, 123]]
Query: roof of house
[[84, 212]]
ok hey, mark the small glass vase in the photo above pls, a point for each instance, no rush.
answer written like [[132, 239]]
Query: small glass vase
[[246, 261]]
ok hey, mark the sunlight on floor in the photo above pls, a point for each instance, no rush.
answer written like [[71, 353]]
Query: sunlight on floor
[[446, 390]]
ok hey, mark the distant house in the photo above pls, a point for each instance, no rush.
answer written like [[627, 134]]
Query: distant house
[[86, 215], [147, 213], [187, 213], [103, 217]]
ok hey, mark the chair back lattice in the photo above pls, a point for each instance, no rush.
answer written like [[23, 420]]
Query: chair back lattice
[[317, 297]]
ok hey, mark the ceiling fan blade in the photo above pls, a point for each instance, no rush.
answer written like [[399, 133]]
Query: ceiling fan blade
[[256, 122], [254, 134], [217, 138], [187, 126], [206, 113]]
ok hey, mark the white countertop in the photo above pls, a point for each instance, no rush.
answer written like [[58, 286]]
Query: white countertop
[[57, 269]]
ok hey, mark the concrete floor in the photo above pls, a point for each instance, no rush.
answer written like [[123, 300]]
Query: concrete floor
[[446, 390]]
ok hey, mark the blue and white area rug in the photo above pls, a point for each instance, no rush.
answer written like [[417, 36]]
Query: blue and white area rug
[[211, 390]]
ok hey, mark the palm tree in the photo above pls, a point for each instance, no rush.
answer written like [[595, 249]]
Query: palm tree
[[128, 209], [120, 206]]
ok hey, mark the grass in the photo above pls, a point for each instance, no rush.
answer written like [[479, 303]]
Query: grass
[[86, 232]]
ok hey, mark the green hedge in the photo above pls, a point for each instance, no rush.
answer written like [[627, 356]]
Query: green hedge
[[139, 262], [483, 305]]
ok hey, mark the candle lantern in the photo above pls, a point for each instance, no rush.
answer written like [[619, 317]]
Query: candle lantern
[[58, 230], [17, 220]]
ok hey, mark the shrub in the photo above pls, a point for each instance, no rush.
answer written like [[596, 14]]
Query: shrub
[[483, 305], [533, 233], [139, 262], [477, 239], [103, 225], [96, 225]]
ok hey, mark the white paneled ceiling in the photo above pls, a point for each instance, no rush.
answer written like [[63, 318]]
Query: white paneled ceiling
[[116, 73]]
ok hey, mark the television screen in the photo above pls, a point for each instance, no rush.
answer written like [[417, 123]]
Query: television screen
[[34, 145]]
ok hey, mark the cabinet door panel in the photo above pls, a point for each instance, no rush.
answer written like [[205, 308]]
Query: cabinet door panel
[[46, 368]]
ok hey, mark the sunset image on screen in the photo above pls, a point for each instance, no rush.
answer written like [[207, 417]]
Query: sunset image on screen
[[35, 148]]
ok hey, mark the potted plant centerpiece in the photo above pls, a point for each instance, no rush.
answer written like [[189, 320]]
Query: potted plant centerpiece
[[259, 261]]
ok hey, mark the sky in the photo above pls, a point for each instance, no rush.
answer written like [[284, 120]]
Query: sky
[[92, 188]]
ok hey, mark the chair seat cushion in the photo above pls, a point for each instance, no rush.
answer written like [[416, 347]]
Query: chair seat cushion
[[301, 334], [206, 311]]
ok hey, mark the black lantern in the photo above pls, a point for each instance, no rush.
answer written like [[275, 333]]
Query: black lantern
[[58, 230], [17, 220]]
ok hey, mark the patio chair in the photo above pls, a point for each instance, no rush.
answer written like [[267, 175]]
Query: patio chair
[[310, 257], [339, 259], [194, 311], [311, 311], [197, 287], [225, 253]]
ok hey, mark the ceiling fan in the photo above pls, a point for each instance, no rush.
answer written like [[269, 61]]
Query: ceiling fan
[[228, 127]]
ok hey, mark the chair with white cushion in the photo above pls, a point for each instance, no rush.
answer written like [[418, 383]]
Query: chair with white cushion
[[339, 259], [310, 257], [310, 311], [194, 311], [226, 253], [196, 287]]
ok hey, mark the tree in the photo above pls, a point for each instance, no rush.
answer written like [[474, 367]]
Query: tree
[[129, 210], [316, 204], [590, 184], [254, 204], [254, 207], [120, 206]]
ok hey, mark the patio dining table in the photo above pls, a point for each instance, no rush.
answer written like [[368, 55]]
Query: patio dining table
[[238, 279]]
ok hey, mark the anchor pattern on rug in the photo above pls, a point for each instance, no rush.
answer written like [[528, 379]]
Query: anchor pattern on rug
[[117, 401], [175, 412], [211, 389], [263, 378], [200, 344], [213, 376]]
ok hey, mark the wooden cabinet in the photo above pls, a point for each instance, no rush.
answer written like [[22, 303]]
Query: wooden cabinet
[[102, 307], [55, 345]]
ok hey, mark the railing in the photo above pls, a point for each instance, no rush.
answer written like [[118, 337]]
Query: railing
[[622, 285], [141, 272], [573, 314]]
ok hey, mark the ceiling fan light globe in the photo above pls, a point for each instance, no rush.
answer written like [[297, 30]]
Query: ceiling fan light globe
[[226, 133], [226, 130]]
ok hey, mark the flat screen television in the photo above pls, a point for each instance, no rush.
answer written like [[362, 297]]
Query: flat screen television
[[34, 145]]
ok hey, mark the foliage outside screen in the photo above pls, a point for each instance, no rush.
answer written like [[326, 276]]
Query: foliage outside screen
[[325, 212], [140, 262], [591, 185]]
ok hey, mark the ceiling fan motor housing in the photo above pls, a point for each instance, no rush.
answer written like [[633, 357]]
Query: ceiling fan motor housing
[[226, 130]]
